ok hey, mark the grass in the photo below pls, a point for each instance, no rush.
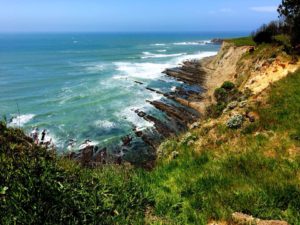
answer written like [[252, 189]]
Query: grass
[[218, 171], [242, 41]]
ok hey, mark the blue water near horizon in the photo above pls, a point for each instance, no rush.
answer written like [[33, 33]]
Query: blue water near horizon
[[81, 85]]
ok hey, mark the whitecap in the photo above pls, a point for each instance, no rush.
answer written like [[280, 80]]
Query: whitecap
[[106, 124], [130, 115], [151, 55], [161, 50], [140, 70], [95, 68], [196, 56], [21, 120], [173, 88], [159, 44], [205, 42]]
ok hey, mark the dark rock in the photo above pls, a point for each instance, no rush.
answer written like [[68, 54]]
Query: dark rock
[[251, 50], [217, 41], [190, 72], [161, 127], [138, 82], [252, 116], [101, 156], [126, 140], [86, 155], [178, 113]]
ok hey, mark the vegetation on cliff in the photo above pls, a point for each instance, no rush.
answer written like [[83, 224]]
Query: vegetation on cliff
[[38, 187]]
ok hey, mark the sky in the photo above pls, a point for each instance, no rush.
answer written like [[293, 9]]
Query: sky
[[135, 15]]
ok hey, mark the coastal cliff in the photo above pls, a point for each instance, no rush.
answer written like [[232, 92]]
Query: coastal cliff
[[250, 67]]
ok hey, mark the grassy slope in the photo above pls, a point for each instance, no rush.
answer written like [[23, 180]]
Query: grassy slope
[[255, 170]]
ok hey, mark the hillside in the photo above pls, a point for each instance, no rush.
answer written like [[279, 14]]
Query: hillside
[[249, 164]]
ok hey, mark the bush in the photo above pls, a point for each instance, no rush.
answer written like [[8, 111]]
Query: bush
[[265, 33], [227, 85], [215, 110], [235, 122], [220, 94]]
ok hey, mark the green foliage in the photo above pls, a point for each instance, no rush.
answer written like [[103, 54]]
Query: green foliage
[[215, 110], [235, 122], [39, 188], [220, 94], [223, 95], [243, 41], [290, 11], [285, 41], [228, 86], [266, 33]]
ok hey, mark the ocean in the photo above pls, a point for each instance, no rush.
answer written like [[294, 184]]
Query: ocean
[[82, 85]]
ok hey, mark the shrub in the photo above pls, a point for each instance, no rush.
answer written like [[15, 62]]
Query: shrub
[[265, 33], [220, 94], [215, 110], [227, 85], [235, 122]]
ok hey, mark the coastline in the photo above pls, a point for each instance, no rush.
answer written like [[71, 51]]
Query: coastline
[[185, 106]]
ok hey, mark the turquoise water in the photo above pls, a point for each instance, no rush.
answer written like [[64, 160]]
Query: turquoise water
[[81, 86]]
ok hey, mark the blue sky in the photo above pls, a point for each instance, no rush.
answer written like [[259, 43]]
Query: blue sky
[[134, 15]]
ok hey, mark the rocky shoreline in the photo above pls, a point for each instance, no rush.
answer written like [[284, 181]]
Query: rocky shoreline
[[181, 107]]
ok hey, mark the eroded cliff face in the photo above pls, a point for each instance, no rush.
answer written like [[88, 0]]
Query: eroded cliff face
[[254, 68], [223, 67]]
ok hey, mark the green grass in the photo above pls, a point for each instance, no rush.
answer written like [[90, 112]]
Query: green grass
[[250, 170], [283, 110], [242, 41]]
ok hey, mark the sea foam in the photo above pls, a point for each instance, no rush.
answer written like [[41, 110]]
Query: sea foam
[[105, 124], [148, 55], [140, 70], [21, 120], [205, 42]]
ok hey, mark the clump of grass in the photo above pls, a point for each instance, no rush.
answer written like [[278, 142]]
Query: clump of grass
[[223, 95]]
